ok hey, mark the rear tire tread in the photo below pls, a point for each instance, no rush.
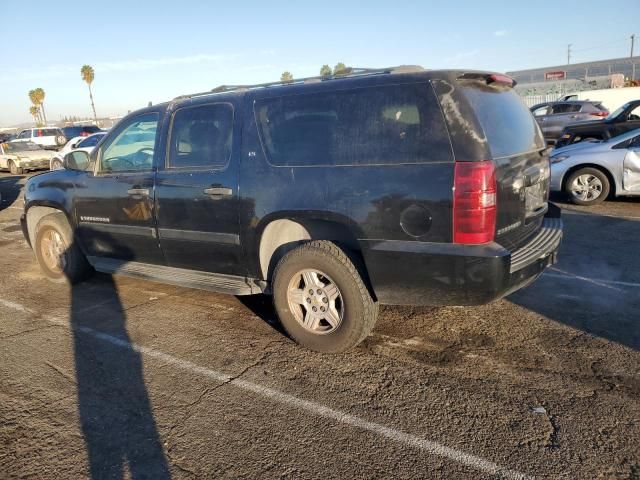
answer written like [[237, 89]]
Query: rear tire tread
[[370, 313]]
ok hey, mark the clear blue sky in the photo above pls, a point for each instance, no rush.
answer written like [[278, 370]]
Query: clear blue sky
[[154, 50]]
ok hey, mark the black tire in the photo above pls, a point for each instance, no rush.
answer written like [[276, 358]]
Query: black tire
[[60, 140], [74, 265], [359, 310], [14, 169], [600, 175], [56, 165]]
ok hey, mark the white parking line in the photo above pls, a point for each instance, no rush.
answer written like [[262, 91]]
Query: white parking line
[[597, 281], [427, 446]]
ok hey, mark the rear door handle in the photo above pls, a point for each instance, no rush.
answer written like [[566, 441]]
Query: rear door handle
[[218, 191], [138, 191]]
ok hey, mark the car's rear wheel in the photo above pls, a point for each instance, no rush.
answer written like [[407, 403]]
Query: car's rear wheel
[[60, 140], [321, 298], [58, 256], [587, 186], [15, 169]]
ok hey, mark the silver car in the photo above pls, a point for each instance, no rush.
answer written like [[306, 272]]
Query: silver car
[[589, 171], [554, 116]]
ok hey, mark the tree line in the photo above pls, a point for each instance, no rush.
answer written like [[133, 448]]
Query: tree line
[[325, 72], [37, 96]]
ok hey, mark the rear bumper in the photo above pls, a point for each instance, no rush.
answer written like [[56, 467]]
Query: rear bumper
[[420, 273]]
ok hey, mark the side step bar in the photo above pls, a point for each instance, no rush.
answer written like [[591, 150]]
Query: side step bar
[[181, 277]]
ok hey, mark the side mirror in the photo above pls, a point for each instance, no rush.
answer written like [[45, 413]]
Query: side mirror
[[77, 160]]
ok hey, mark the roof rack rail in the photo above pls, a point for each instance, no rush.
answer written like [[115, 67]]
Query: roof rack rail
[[348, 73]]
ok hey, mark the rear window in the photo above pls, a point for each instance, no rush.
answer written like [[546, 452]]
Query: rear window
[[508, 124], [46, 132], [393, 124]]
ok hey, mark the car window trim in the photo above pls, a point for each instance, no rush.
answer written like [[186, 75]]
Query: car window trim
[[97, 168], [168, 168]]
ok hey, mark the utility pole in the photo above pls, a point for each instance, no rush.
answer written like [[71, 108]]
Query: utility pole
[[569, 53], [633, 64]]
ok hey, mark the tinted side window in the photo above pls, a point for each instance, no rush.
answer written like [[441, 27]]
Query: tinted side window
[[368, 126], [565, 108], [89, 142], [131, 149], [201, 136]]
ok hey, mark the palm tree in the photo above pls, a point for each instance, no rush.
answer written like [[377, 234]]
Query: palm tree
[[286, 77], [33, 110], [88, 75], [34, 100], [325, 71], [39, 94]]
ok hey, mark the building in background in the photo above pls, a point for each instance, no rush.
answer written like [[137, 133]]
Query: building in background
[[546, 84]]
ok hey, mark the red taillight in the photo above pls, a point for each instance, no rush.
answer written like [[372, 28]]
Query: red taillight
[[501, 79], [474, 202], [599, 114], [84, 134]]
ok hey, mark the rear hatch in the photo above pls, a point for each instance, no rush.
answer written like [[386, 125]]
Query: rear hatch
[[488, 121]]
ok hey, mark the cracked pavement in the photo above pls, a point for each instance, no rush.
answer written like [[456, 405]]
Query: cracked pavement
[[545, 382]]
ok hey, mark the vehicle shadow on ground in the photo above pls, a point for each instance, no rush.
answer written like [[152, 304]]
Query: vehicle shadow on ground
[[262, 307], [9, 190], [595, 287], [115, 412]]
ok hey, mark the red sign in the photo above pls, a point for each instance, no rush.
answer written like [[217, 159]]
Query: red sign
[[559, 75]]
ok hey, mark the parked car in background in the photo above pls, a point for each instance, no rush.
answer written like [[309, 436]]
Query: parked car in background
[[80, 131], [6, 137], [86, 144], [47, 137], [611, 98], [554, 116], [624, 119], [19, 157], [590, 171], [395, 186]]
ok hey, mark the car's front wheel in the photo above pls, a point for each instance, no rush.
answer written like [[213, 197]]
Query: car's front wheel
[[587, 186], [58, 256], [321, 298], [56, 164], [15, 169]]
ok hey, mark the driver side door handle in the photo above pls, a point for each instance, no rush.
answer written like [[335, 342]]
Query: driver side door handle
[[144, 192], [218, 191]]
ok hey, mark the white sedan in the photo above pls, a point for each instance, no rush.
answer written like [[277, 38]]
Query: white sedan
[[19, 157], [86, 144]]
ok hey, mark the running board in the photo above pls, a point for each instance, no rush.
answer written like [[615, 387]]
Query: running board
[[214, 282]]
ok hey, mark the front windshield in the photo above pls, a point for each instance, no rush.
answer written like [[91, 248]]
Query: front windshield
[[617, 112], [20, 147]]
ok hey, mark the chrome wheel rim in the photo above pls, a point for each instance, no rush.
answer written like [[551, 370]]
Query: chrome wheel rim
[[315, 301], [586, 187], [52, 248]]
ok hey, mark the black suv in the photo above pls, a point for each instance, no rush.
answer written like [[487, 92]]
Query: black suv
[[624, 119], [80, 131], [397, 186]]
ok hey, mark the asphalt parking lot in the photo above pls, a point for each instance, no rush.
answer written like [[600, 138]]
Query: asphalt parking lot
[[125, 378]]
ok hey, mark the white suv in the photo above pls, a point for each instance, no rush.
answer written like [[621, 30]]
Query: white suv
[[48, 138]]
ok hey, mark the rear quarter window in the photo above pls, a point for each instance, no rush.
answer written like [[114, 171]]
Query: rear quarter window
[[381, 125], [508, 125]]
